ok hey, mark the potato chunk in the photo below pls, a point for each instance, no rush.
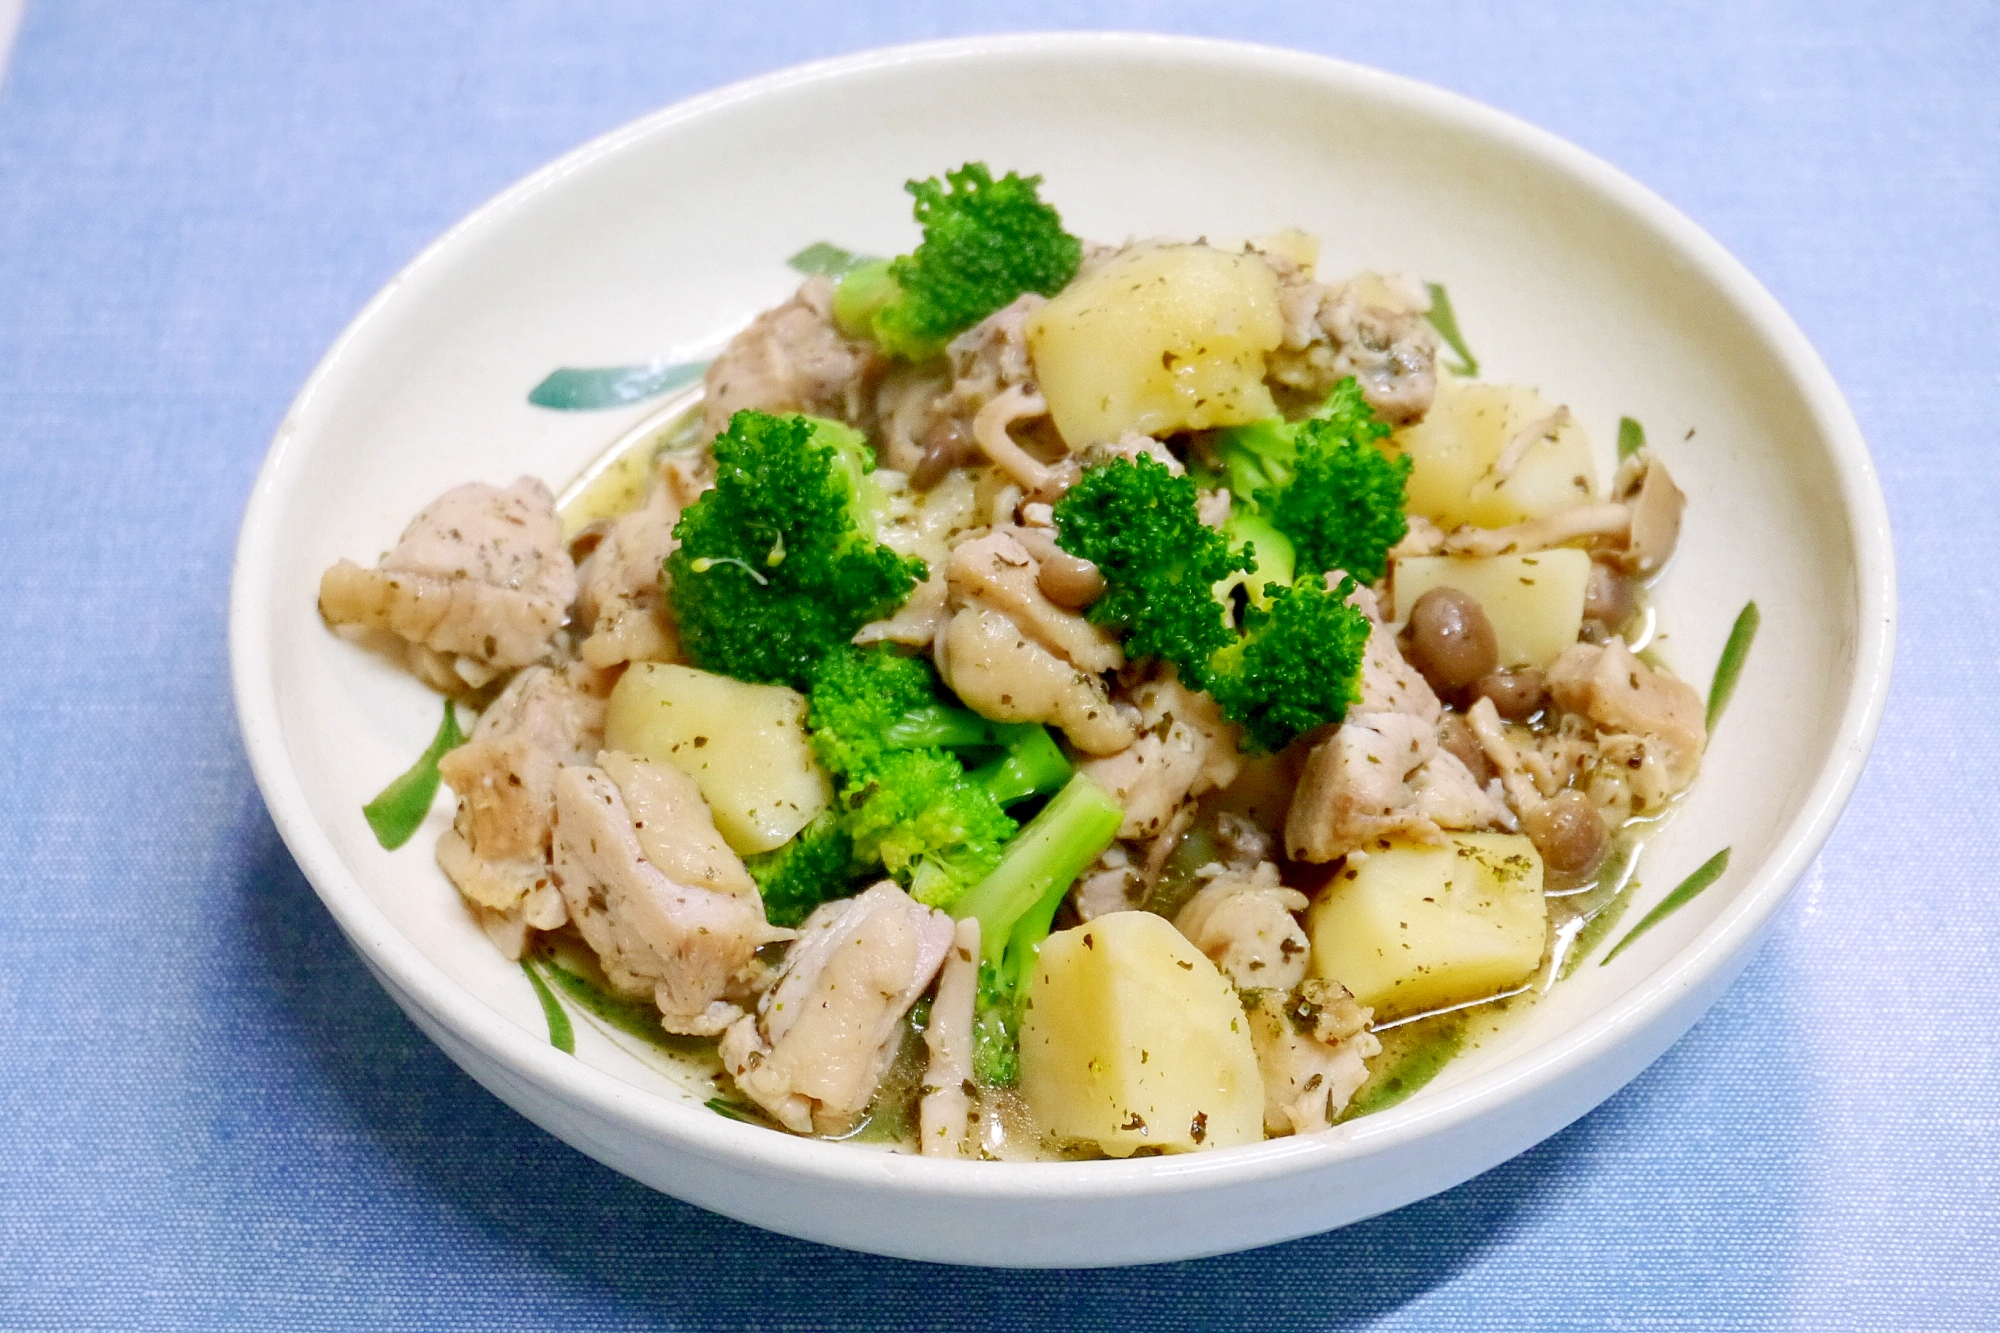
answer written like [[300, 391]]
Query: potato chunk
[[1133, 1040], [1416, 927], [1454, 449], [1535, 602], [744, 745], [1159, 339]]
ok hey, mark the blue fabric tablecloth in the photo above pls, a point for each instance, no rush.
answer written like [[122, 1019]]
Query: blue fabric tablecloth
[[210, 1115]]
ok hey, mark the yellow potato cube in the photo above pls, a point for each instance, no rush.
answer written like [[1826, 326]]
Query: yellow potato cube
[[1416, 927], [1454, 449], [744, 745], [1534, 601], [1133, 1040], [1160, 339]]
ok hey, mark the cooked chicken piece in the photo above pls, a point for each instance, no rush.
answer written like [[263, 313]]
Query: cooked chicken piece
[[1132, 446], [991, 357], [619, 599], [685, 932], [1392, 353], [824, 1035], [498, 850], [1356, 786], [1644, 486], [1312, 1046], [793, 359], [1243, 922], [1423, 537], [676, 832], [923, 524], [1451, 796], [1362, 328], [1113, 884], [1619, 693], [1299, 296], [1242, 842], [945, 1111], [997, 571], [1001, 673], [1389, 684], [480, 574], [1382, 775], [1184, 748]]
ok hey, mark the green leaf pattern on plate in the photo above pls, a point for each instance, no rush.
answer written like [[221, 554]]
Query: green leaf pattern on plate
[[1684, 893], [399, 811], [594, 389], [1445, 321]]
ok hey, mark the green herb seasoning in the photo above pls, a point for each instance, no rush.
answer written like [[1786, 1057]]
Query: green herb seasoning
[[396, 814]]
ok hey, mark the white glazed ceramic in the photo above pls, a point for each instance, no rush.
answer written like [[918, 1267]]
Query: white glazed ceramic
[[661, 239]]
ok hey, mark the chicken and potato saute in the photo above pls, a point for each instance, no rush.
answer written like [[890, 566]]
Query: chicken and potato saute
[[1063, 698]]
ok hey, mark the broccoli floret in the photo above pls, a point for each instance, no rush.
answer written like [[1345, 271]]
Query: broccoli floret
[[1297, 661], [905, 800], [985, 243], [816, 866], [1016, 906], [857, 698], [1031, 765], [1297, 666], [778, 562], [1323, 483], [1277, 564], [932, 828], [1136, 522]]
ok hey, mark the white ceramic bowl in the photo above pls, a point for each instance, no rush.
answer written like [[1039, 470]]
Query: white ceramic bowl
[[662, 238]]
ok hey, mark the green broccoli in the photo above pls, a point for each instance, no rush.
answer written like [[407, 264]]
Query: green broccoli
[[1136, 521], [1297, 666], [1277, 562], [905, 800], [816, 866], [1016, 907], [1031, 765], [1323, 483], [1296, 662], [778, 562], [985, 243]]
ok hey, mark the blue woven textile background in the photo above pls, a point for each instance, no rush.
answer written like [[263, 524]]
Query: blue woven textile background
[[211, 1117]]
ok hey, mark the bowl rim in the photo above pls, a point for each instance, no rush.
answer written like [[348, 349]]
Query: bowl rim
[[412, 975]]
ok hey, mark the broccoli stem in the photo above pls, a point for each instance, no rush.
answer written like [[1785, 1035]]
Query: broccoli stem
[[1272, 550], [1016, 905], [1040, 864], [862, 292], [946, 728], [1033, 765]]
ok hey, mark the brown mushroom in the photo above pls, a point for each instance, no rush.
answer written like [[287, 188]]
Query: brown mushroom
[[1656, 505], [1449, 640]]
